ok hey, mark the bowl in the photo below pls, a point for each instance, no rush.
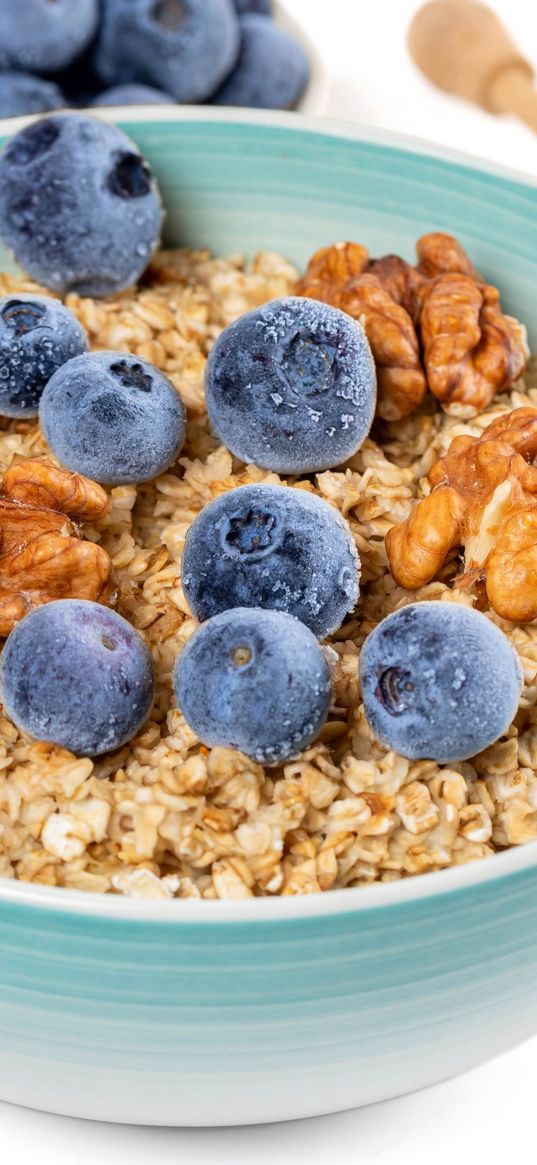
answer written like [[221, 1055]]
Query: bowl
[[212, 1013]]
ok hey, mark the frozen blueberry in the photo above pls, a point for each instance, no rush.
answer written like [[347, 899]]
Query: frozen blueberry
[[263, 7], [254, 680], [272, 70], [273, 547], [21, 93], [37, 336], [79, 206], [291, 386], [185, 46], [77, 674], [45, 35], [113, 417], [439, 681], [133, 95]]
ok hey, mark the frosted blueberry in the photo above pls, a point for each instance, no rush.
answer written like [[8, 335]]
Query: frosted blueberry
[[186, 47], [43, 36], [37, 335], [291, 386], [77, 674], [254, 680], [21, 93], [263, 7], [113, 417], [439, 681], [133, 95], [76, 202], [272, 69], [273, 547]]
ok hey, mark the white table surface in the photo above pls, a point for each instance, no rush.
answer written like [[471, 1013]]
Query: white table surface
[[489, 1113]]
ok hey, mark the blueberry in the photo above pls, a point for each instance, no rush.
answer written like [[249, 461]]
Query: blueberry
[[133, 95], [77, 674], [291, 386], [439, 681], [79, 206], [273, 547], [45, 35], [263, 7], [186, 47], [37, 336], [254, 680], [272, 70], [22, 93], [113, 417]]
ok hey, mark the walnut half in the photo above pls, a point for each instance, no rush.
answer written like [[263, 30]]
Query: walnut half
[[437, 325], [42, 556], [484, 498]]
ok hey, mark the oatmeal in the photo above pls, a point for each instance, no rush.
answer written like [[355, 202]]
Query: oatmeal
[[166, 816]]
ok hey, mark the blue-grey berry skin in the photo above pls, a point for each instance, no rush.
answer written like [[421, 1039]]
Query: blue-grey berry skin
[[79, 206], [37, 335], [291, 386], [113, 417], [439, 681], [186, 47], [272, 70], [254, 680], [45, 35], [273, 547], [22, 93], [77, 674], [133, 95], [263, 7]]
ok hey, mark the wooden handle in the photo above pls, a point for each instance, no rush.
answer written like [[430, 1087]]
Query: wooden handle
[[463, 48]]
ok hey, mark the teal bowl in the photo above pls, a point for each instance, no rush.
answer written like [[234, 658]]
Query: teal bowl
[[209, 1013]]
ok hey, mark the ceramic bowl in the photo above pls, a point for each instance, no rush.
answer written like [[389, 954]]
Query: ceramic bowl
[[193, 1013]]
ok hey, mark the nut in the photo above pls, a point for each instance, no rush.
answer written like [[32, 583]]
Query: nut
[[471, 350], [41, 556], [402, 281], [439, 253], [483, 497], [436, 325], [394, 343], [330, 269]]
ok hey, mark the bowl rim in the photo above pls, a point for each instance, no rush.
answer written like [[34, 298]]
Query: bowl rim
[[289, 120], [353, 900]]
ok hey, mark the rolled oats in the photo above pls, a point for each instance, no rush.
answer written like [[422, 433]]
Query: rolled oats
[[165, 816]]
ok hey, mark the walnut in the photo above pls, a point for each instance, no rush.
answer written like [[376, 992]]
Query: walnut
[[41, 556], [439, 253], [436, 325], [484, 498], [394, 343], [330, 269], [402, 281], [471, 350]]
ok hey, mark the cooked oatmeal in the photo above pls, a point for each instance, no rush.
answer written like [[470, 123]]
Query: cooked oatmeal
[[167, 817]]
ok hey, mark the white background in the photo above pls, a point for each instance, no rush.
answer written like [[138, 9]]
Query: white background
[[490, 1113]]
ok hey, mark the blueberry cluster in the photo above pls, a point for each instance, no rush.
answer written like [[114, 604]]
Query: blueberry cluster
[[126, 52]]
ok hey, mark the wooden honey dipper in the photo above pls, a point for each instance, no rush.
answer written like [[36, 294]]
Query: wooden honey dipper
[[463, 48]]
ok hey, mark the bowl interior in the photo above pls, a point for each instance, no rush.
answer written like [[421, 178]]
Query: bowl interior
[[238, 181]]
